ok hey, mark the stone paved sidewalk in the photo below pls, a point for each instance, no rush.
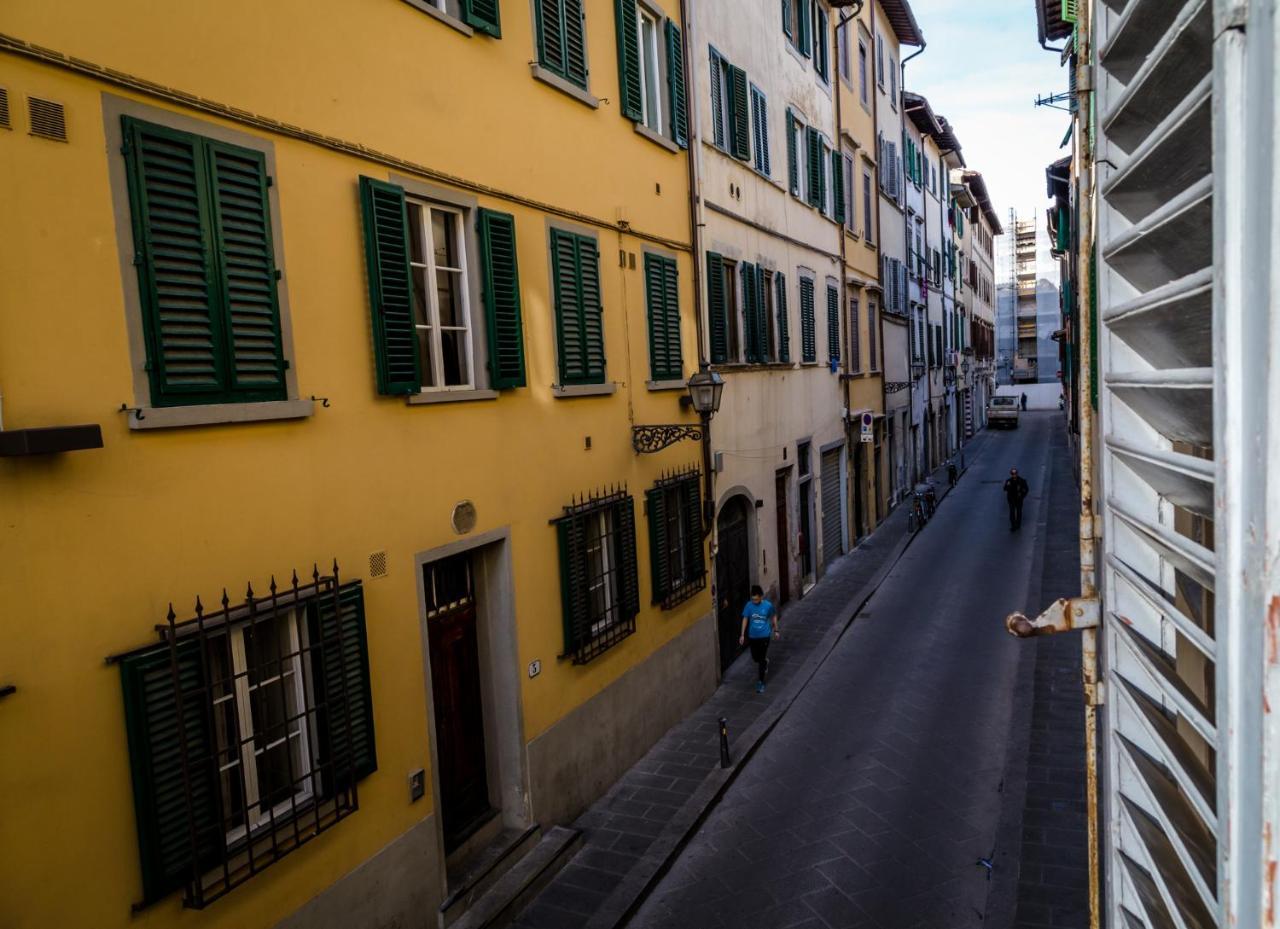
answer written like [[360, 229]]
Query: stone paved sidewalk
[[631, 832]]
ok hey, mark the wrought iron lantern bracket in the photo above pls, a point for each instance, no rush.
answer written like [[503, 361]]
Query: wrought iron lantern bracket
[[649, 439]]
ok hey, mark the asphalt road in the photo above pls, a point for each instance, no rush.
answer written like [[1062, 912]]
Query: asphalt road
[[873, 800]]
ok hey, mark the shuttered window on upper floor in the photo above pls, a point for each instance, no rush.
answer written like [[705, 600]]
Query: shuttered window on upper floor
[[561, 39], [730, 107], [662, 299], [420, 270], [808, 335], [833, 324], [650, 46], [206, 265], [575, 288]]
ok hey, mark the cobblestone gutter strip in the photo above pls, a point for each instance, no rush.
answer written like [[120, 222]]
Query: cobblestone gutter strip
[[635, 885]]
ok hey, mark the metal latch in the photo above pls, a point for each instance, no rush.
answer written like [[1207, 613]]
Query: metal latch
[[1063, 615]]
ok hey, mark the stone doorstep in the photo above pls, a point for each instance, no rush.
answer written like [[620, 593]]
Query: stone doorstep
[[634, 887], [485, 868], [515, 889]]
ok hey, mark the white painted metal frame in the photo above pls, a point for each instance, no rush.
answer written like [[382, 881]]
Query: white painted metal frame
[[1188, 338]]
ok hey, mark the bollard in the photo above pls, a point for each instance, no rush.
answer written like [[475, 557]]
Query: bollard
[[724, 742]]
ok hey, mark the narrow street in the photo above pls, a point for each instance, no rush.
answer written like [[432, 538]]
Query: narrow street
[[873, 800]]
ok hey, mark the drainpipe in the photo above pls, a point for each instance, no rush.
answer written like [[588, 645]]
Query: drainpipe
[[845, 19], [879, 333], [695, 193]]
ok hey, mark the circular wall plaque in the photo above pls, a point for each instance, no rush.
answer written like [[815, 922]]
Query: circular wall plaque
[[464, 517]]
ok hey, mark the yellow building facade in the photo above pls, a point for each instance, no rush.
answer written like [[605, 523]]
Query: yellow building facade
[[864, 371], [381, 289]]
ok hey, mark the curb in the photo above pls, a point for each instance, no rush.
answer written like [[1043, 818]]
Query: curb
[[634, 887]]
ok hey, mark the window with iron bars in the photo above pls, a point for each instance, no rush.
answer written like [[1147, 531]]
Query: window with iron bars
[[676, 563], [249, 727], [599, 588]]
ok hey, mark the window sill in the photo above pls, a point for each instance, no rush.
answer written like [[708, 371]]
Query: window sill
[[174, 417], [657, 138], [451, 21], [583, 390], [744, 366], [666, 385], [450, 396], [560, 84]]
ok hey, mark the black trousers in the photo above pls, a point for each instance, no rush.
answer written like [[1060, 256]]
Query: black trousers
[[1015, 514], [760, 654]]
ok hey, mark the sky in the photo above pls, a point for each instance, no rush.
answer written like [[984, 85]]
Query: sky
[[982, 68]]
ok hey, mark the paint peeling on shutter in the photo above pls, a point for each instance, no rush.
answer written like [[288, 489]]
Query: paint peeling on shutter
[[501, 284], [386, 237]]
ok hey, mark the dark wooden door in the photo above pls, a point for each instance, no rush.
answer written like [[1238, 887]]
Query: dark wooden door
[[459, 717], [784, 538], [733, 577]]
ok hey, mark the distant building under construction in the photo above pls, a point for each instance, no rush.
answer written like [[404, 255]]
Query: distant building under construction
[[1027, 307]]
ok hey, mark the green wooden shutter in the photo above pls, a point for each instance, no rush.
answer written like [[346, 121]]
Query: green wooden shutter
[[833, 323], [793, 155], [717, 110], [549, 23], [678, 98], [784, 327], [806, 25], [165, 809], [739, 118], [386, 246], [567, 289], [821, 51], [786, 19], [575, 617], [717, 311], [813, 151], [247, 267], [624, 512], [340, 672], [762, 320], [172, 232], [837, 184], [501, 283], [691, 493], [659, 569], [662, 299], [592, 309], [748, 291], [626, 21], [808, 338], [483, 16], [575, 43]]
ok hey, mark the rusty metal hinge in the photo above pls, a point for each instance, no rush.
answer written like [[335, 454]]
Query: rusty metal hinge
[[1063, 615]]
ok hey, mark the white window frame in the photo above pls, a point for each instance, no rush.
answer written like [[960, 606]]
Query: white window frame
[[242, 693], [650, 70], [425, 272], [599, 536]]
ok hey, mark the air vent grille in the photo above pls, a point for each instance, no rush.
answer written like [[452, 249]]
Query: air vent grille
[[378, 564], [4, 109], [48, 119]]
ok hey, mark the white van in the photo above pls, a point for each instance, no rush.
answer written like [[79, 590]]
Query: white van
[[1003, 412]]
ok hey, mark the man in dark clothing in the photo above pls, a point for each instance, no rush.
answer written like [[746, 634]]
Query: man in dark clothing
[[1024, 403], [1015, 490]]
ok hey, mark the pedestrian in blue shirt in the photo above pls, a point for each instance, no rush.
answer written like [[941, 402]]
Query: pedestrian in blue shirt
[[759, 627]]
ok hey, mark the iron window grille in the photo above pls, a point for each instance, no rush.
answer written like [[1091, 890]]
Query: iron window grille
[[599, 589], [249, 727], [677, 565]]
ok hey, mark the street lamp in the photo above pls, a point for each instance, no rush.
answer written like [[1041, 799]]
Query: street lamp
[[705, 389]]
